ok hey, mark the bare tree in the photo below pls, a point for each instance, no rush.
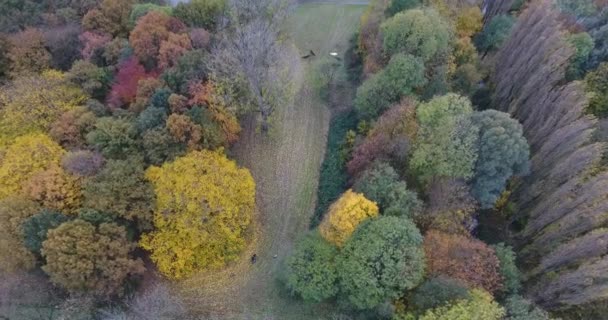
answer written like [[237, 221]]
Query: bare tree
[[254, 57]]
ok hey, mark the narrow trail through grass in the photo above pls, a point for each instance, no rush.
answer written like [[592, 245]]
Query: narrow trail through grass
[[286, 169]]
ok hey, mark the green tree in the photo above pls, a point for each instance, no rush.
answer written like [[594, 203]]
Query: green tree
[[419, 32], [597, 84], [200, 13], [35, 228], [311, 271], [121, 189], [402, 5], [582, 44], [380, 183], [438, 291], [141, 9], [113, 137], [480, 306], [503, 152], [495, 33], [160, 146], [401, 77], [81, 257], [508, 269], [519, 308], [382, 259], [446, 145]]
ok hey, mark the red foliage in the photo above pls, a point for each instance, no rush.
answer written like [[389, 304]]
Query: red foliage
[[463, 258], [374, 147], [124, 88]]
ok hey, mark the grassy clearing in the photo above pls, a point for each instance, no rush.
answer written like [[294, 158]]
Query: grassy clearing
[[286, 169]]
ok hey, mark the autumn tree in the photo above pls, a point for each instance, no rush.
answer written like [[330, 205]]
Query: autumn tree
[[582, 44], [141, 9], [26, 157], [419, 32], [451, 207], [597, 84], [157, 302], [446, 145], [154, 31], [34, 103], [172, 49], [81, 257], [82, 163], [160, 146], [184, 130], [28, 53], [469, 21], [36, 227], [93, 45], [211, 97], [397, 6], [251, 59], [311, 270], [93, 80], [70, 128], [5, 61], [111, 17], [401, 77], [380, 183], [481, 306], [381, 260], [199, 227], [63, 44], [345, 215], [14, 211], [438, 291], [494, 33], [113, 138], [519, 308], [200, 13], [503, 152], [121, 189], [125, 87], [462, 258], [54, 189]]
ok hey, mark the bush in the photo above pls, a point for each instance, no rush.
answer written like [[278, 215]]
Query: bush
[[311, 272]]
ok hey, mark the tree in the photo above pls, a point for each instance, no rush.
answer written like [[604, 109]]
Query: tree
[[34, 103], [597, 84], [381, 260], [311, 270], [5, 61], [200, 13], [503, 152], [81, 257], [204, 204], [451, 207], [14, 211], [26, 157], [211, 96], [111, 17], [345, 215], [481, 306], [437, 292], [141, 9], [511, 277], [121, 189], [253, 61], [27, 53], [469, 22], [93, 45], [462, 258], [113, 138], [401, 77], [184, 130], [446, 144], [92, 79], [172, 49], [380, 183], [419, 32], [82, 163], [402, 5], [466, 79], [63, 44], [494, 33], [125, 86], [519, 308], [583, 44], [160, 146], [151, 118], [71, 127], [158, 302], [54, 189], [36, 227], [151, 32]]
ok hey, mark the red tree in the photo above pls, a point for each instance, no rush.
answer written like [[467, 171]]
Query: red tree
[[124, 88]]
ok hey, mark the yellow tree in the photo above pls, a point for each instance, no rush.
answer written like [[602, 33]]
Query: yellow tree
[[54, 188], [345, 215], [14, 210], [27, 156], [204, 205], [34, 103]]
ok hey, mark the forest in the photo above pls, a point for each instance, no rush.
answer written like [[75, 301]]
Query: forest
[[279, 159]]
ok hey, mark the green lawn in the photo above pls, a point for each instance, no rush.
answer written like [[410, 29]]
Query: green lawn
[[286, 169]]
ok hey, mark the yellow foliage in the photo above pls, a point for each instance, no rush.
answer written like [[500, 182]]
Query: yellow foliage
[[15, 210], [33, 103], [54, 188], [204, 205], [345, 215], [26, 157], [469, 21]]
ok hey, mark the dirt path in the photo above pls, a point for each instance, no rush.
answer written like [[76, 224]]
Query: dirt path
[[286, 169]]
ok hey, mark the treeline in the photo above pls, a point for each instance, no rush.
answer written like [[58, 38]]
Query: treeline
[[561, 204], [423, 163], [114, 118]]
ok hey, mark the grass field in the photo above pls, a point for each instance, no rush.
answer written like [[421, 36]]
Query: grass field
[[286, 169]]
